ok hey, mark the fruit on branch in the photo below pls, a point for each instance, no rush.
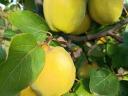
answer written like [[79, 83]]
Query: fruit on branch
[[86, 68], [58, 74], [64, 15], [84, 26], [27, 92], [105, 11], [102, 40]]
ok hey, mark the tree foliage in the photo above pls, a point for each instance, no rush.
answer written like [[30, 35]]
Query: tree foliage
[[100, 55]]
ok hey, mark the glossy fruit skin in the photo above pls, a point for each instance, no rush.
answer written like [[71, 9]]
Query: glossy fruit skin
[[105, 11], [64, 15], [84, 26], [27, 92], [58, 74]]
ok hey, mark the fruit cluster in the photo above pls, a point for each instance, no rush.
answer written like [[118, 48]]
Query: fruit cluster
[[71, 17], [74, 17]]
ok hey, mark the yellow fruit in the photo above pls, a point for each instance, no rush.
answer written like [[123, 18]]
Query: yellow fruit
[[102, 40], [64, 15], [27, 92], [86, 68], [84, 26], [105, 11], [58, 74]]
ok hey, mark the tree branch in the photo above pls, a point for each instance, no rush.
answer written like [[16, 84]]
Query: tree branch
[[107, 31], [118, 38]]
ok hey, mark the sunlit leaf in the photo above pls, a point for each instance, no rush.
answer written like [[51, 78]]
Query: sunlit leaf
[[25, 61], [83, 90], [29, 22]]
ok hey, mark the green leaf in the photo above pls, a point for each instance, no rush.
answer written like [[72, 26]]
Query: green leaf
[[24, 63], [40, 36], [54, 43], [97, 52], [29, 22], [8, 33], [80, 61], [4, 1], [29, 4], [103, 83], [125, 35], [2, 54], [119, 55], [125, 77], [123, 88], [70, 94], [111, 49], [118, 52], [2, 23], [82, 90], [126, 4]]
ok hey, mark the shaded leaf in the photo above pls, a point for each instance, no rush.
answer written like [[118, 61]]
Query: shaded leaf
[[80, 61], [103, 83], [2, 23], [118, 52], [125, 35], [97, 51], [123, 88], [2, 54], [29, 5], [54, 43], [119, 55], [4, 1]]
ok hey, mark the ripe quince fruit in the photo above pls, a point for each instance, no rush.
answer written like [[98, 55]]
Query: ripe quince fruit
[[64, 15], [105, 11], [58, 74], [84, 26], [27, 92]]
